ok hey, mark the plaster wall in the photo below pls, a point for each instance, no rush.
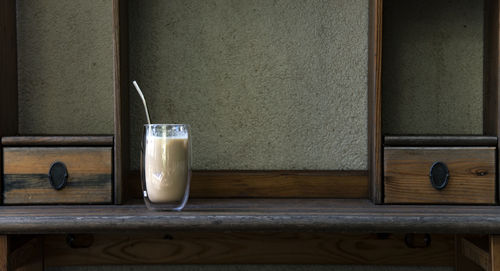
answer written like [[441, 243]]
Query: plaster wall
[[65, 66], [433, 67], [263, 84]]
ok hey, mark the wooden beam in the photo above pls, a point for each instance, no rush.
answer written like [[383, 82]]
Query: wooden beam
[[271, 184], [250, 248], [478, 253], [475, 254]]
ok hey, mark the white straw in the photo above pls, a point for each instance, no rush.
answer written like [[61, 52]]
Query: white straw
[[143, 100]]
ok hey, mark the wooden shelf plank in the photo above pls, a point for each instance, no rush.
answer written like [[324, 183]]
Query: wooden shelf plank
[[57, 140], [334, 215], [271, 184], [419, 140]]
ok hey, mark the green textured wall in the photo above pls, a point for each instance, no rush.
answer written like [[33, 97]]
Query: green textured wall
[[264, 84], [433, 67], [65, 66]]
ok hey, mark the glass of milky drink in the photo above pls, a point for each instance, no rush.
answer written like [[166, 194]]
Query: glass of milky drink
[[166, 166]]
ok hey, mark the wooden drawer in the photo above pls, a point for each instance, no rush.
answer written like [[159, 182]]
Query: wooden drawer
[[471, 179], [26, 175]]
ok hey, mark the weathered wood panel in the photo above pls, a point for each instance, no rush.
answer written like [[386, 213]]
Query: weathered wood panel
[[249, 248], [37, 160], [472, 175], [26, 178]]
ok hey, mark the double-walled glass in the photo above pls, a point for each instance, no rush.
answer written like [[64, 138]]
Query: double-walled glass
[[166, 166]]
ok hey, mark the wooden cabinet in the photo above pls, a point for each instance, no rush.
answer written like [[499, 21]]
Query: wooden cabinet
[[420, 113], [111, 189]]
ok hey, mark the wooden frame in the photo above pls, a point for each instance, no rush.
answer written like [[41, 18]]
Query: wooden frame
[[253, 214], [491, 127]]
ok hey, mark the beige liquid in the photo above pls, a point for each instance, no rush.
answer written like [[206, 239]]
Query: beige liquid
[[166, 168]]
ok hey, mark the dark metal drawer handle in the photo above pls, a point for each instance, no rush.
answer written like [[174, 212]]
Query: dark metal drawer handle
[[58, 175], [439, 175]]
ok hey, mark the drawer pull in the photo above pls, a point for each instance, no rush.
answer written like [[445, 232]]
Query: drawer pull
[[58, 175], [439, 175]]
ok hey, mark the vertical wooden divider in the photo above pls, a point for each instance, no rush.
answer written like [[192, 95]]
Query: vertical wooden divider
[[121, 90], [8, 71], [491, 68], [375, 101]]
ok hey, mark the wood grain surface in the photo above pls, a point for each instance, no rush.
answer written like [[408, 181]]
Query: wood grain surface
[[251, 215], [271, 184], [4, 252], [375, 101], [494, 250], [26, 178], [249, 248], [440, 141], [475, 254], [472, 175], [121, 89], [37, 160], [57, 141]]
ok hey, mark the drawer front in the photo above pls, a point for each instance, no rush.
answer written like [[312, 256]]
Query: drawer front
[[26, 175], [471, 179]]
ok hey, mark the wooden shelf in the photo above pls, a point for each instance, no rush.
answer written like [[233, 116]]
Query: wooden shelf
[[419, 140], [334, 215]]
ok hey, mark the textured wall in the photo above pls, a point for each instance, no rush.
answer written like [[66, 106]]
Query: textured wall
[[264, 84], [276, 267], [65, 66], [432, 67]]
